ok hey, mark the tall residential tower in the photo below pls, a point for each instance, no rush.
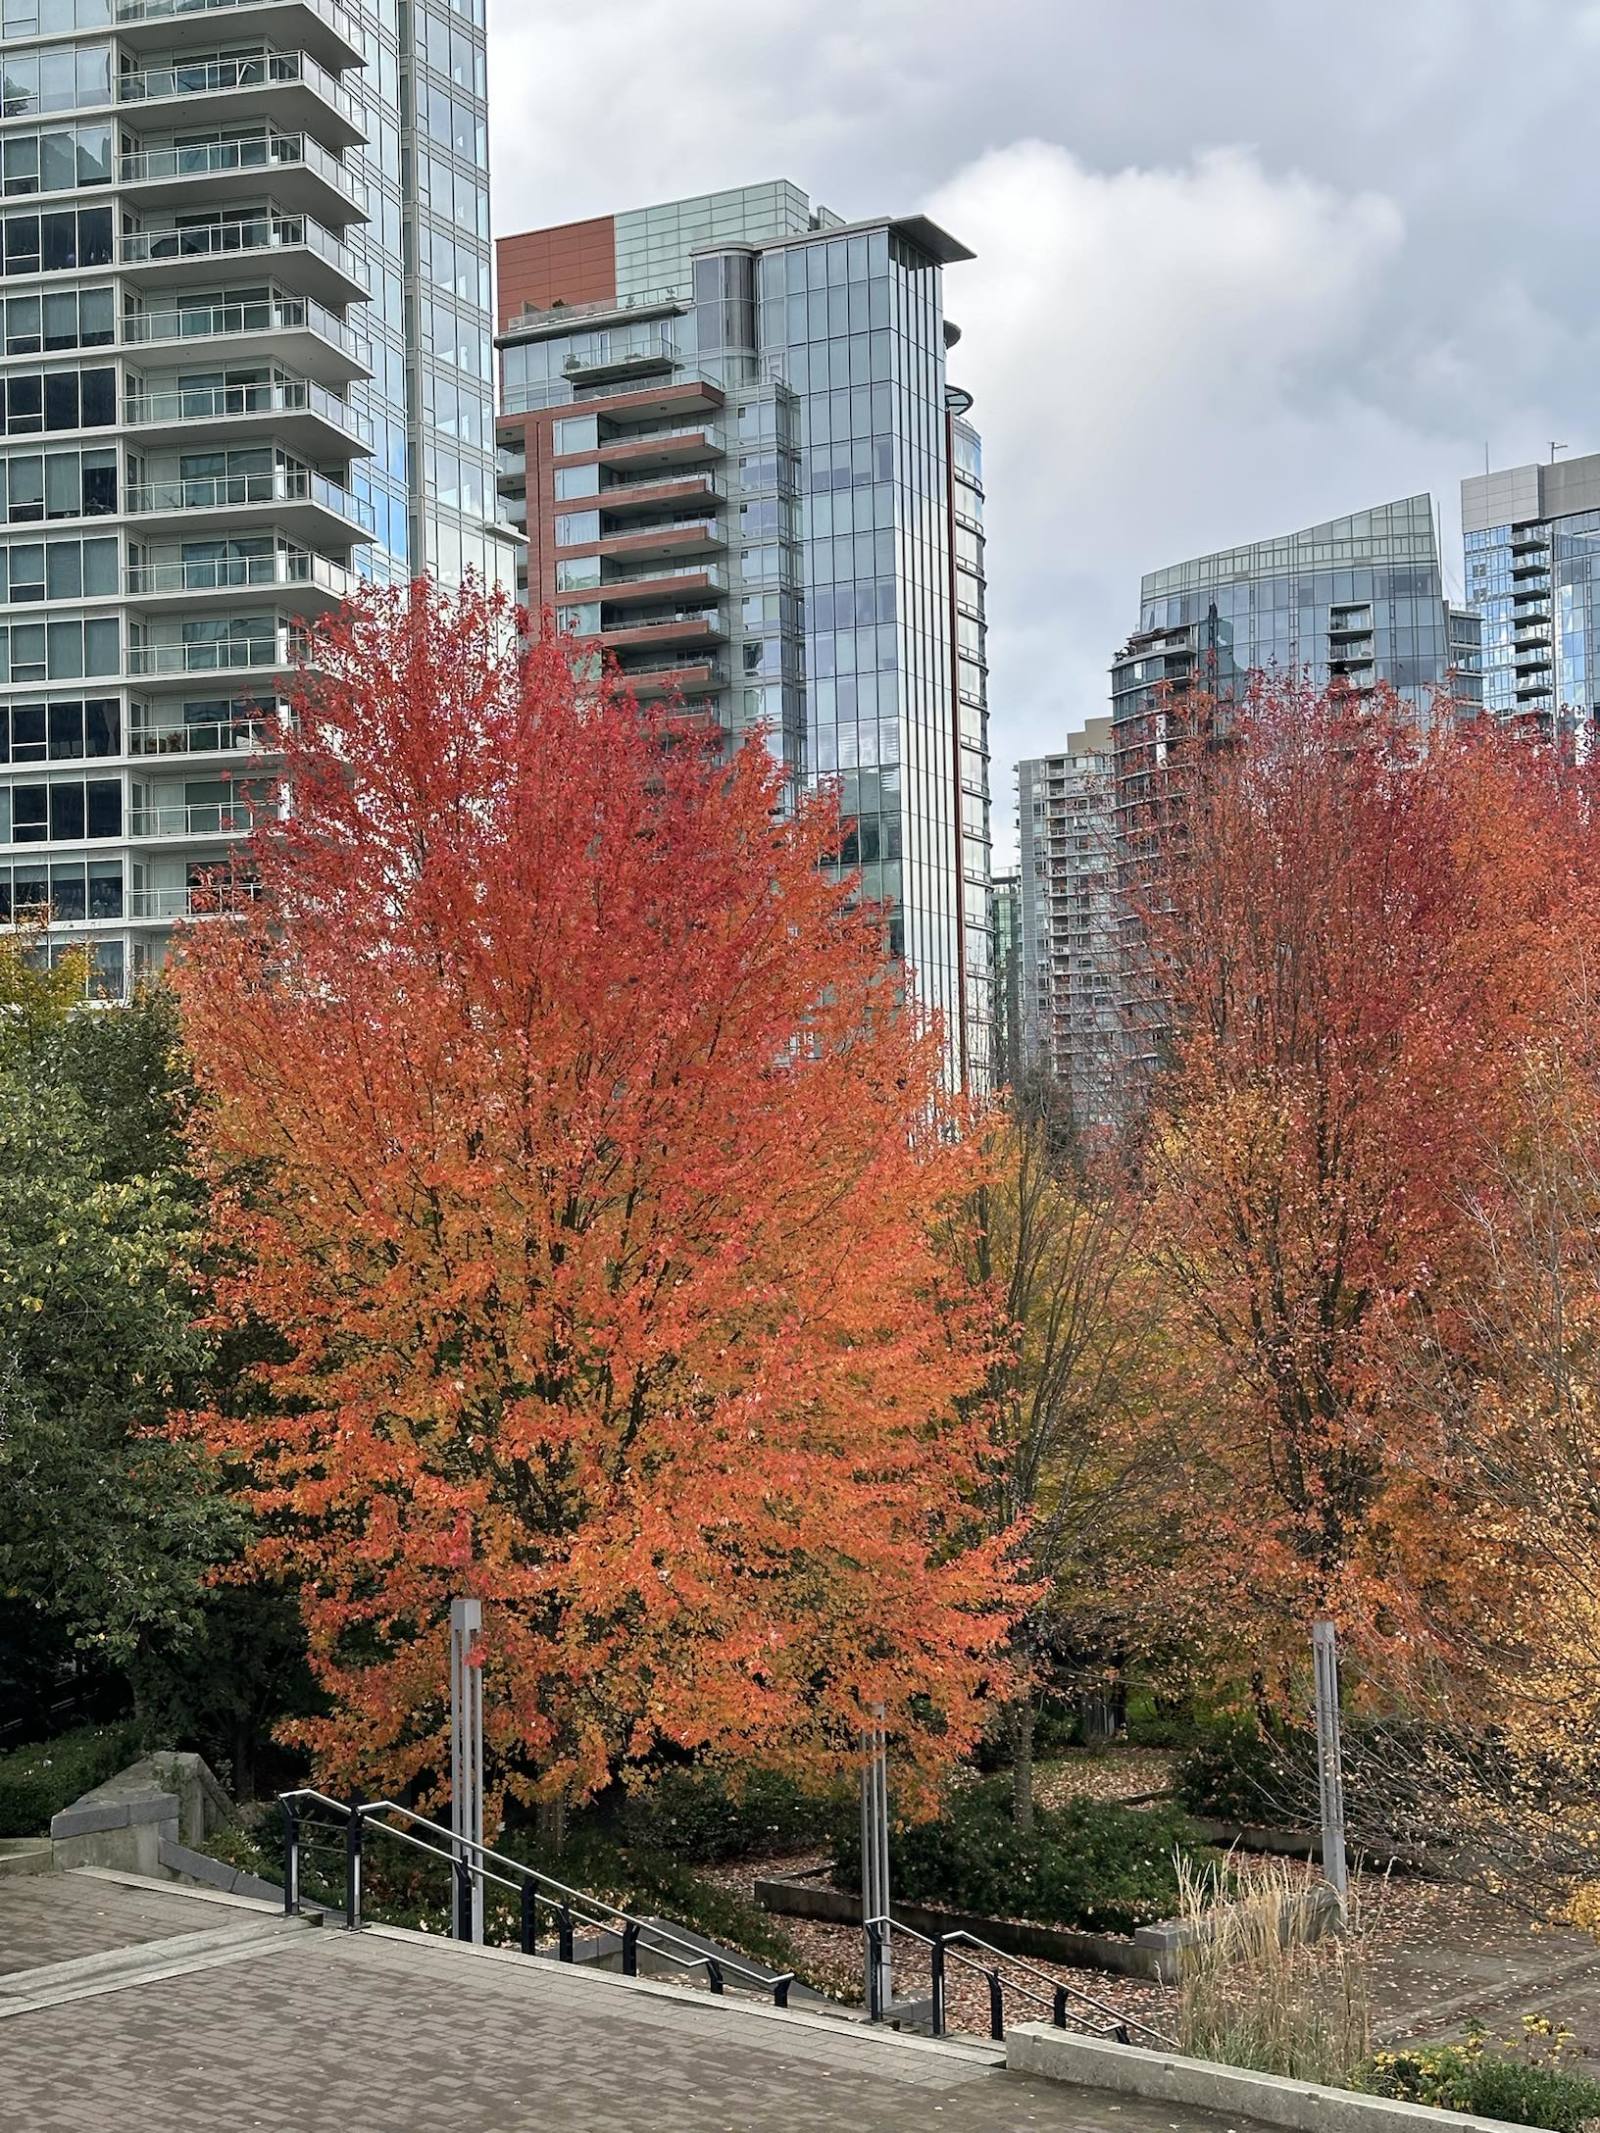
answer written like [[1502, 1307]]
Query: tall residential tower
[[247, 360], [727, 429], [1065, 834], [1358, 601], [1532, 538]]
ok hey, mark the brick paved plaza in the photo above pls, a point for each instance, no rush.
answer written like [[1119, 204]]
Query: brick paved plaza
[[320, 2031]]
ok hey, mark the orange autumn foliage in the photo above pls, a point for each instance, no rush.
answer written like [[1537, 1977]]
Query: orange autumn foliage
[[570, 1135], [1354, 931]]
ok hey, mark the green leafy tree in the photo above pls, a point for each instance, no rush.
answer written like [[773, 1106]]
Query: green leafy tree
[[106, 1527]]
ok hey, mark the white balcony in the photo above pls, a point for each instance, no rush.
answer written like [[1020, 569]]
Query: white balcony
[[320, 27], [294, 411], [300, 248], [169, 905], [305, 176], [268, 653], [320, 345], [317, 581], [199, 819], [267, 83], [238, 734], [297, 499]]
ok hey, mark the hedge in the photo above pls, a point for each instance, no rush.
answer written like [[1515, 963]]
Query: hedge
[[38, 1780], [1090, 1864]]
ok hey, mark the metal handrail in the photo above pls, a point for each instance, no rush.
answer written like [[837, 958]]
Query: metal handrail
[[943, 1947], [531, 1886]]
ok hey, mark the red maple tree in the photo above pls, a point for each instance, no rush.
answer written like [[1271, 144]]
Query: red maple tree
[[1352, 927], [574, 1140]]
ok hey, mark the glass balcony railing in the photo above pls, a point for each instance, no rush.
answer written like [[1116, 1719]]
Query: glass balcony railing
[[616, 354], [273, 314], [270, 150], [697, 529], [670, 618], [136, 11], [189, 902], [610, 589], [264, 68], [210, 818], [715, 439], [707, 673], [240, 735], [270, 396], [266, 232], [273, 485], [225, 655], [235, 573]]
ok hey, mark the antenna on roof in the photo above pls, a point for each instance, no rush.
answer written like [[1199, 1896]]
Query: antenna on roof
[[1554, 448]]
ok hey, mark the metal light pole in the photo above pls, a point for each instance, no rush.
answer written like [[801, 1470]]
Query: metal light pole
[[877, 1953], [1330, 1757], [466, 1749]]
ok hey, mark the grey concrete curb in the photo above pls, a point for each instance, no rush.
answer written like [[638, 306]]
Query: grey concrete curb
[[1163, 2077]]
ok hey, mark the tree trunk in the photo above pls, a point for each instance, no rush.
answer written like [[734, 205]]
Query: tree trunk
[[1022, 1763], [244, 1772], [550, 1822]]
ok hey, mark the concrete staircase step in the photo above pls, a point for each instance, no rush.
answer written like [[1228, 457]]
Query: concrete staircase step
[[114, 1968]]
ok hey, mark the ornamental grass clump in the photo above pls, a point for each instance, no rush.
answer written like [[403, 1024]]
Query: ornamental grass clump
[[1268, 1982]]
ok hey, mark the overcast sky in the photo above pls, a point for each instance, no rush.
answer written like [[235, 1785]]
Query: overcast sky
[[1242, 264]]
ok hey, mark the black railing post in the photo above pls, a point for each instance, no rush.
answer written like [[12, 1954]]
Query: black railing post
[[780, 1990], [1058, 2013], [874, 1971], [564, 1933], [530, 1917], [936, 1982], [997, 2009], [714, 1976], [352, 1866], [463, 1898], [291, 1858], [630, 1948]]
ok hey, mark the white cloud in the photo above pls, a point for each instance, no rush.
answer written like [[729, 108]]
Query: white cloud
[[1237, 272], [1150, 356]]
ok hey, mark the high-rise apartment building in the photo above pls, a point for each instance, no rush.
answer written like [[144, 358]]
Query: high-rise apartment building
[[727, 429], [247, 359], [1358, 600], [1005, 978], [1066, 836], [1532, 539]]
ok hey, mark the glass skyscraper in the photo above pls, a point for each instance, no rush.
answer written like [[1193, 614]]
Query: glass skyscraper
[[727, 428], [1357, 600], [247, 361], [1532, 539]]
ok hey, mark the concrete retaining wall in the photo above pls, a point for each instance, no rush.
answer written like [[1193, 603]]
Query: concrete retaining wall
[[1200, 2084], [165, 1798]]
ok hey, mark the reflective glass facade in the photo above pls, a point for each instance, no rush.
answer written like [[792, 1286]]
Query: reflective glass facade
[[774, 500], [1358, 599], [1532, 540], [244, 290]]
